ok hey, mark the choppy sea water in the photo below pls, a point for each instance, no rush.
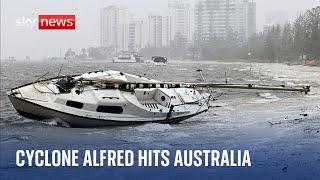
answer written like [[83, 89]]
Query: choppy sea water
[[281, 130]]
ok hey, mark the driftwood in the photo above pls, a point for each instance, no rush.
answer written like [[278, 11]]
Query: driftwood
[[276, 123]]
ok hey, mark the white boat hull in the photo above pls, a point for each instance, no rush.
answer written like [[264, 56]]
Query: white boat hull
[[37, 112]]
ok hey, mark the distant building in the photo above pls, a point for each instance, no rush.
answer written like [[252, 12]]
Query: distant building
[[162, 29], [179, 17], [220, 18], [115, 27], [251, 15], [121, 30], [136, 35], [158, 31]]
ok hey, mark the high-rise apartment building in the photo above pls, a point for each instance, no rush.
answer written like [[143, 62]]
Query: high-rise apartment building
[[212, 18], [120, 29], [220, 18], [158, 30], [251, 15], [155, 31], [179, 19], [136, 35], [162, 29], [115, 27]]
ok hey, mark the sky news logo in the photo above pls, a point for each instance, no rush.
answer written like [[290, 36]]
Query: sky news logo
[[49, 22], [57, 22]]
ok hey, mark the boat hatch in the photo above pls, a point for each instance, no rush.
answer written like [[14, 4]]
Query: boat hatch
[[117, 98], [74, 104], [110, 109]]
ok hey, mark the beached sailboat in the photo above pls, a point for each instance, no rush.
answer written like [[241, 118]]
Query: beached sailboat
[[104, 98], [107, 98]]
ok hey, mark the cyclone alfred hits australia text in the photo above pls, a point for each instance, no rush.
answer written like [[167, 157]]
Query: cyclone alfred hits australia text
[[128, 158]]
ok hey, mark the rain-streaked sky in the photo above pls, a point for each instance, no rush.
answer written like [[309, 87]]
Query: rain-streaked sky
[[26, 41]]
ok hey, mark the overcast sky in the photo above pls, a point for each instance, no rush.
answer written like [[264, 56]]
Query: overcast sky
[[24, 41]]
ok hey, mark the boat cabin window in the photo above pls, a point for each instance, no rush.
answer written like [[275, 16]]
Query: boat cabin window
[[122, 86], [110, 109], [145, 85], [127, 87], [74, 104]]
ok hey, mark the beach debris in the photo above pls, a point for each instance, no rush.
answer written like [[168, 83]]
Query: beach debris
[[275, 123], [304, 114], [285, 169]]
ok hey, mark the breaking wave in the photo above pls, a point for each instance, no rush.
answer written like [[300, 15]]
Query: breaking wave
[[268, 96], [10, 138], [56, 122], [151, 127], [52, 122]]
